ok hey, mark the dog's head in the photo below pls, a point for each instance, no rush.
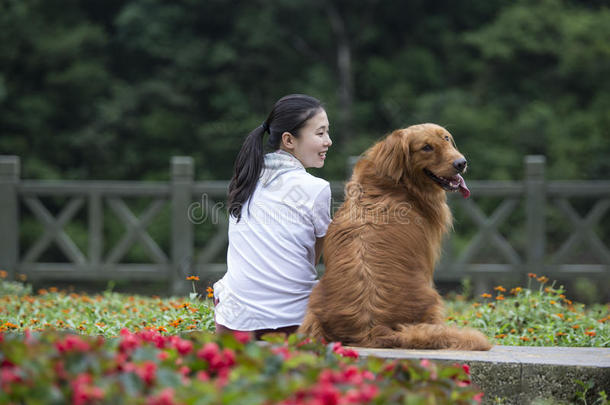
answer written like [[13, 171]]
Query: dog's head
[[424, 155]]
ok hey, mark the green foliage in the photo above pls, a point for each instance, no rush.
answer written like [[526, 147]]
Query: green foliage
[[114, 89], [541, 316], [14, 288], [101, 314], [206, 369]]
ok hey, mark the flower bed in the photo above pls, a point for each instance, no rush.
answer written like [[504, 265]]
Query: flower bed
[[200, 368], [539, 315]]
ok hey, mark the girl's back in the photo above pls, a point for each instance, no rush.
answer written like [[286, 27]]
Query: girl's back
[[273, 232]]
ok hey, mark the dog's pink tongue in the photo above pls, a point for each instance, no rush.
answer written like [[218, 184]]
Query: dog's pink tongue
[[463, 187]]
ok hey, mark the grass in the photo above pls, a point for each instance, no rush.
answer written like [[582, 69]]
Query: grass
[[537, 315]]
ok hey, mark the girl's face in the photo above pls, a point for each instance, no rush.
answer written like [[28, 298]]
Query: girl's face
[[313, 141]]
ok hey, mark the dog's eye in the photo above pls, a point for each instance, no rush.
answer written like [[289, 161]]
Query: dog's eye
[[447, 138], [427, 148]]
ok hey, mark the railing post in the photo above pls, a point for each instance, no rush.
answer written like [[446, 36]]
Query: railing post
[[9, 214], [535, 201], [349, 167], [182, 173]]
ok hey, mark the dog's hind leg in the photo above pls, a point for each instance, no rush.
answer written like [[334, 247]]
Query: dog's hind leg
[[429, 336]]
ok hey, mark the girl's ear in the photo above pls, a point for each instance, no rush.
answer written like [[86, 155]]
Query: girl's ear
[[391, 155], [288, 140]]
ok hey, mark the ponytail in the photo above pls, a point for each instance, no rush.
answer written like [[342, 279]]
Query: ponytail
[[248, 167], [289, 114]]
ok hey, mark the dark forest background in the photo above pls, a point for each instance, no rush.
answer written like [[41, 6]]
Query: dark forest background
[[111, 89]]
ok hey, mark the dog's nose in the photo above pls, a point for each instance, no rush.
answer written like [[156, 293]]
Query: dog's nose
[[460, 164]]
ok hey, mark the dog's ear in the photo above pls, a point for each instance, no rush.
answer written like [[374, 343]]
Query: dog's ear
[[391, 155]]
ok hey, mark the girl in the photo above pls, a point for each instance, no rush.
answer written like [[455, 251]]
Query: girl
[[279, 214]]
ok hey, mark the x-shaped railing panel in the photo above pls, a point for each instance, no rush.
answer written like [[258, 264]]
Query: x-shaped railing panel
[[489, 231], [136, 230], [54, 230], [584, 231]]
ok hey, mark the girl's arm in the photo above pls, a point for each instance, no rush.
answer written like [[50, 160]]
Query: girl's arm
[[319, 243]]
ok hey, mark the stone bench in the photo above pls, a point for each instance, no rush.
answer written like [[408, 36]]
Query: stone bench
[[520, 374]]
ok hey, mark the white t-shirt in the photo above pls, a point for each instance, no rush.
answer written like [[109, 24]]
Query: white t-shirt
[[271, 254]]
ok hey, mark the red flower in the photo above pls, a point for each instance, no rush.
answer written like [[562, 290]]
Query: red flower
[[8, 376], [282, 351], [229, 357], [83, 392], [208, 351], [342, 351], [326, 394], [242, 337], [129, 341], [183, 346], [147, 372], [166, 397], [466, 368], [72, 343]]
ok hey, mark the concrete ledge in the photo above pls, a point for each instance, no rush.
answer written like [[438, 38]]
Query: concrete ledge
[[520, 374]]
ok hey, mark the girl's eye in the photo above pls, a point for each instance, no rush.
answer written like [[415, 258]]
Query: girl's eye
[[427, 148]]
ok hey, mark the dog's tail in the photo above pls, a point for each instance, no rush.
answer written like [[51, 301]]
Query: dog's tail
[[311, 327], [427, 336]]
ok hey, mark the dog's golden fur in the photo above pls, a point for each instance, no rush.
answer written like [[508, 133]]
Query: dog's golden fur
[[381, 248]]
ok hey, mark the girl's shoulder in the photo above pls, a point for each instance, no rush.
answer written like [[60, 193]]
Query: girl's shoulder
[[315, 184]]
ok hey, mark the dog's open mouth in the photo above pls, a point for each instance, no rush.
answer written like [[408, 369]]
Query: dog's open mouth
[[455, 183]]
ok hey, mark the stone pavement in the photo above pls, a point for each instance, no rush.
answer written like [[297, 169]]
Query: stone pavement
[[520, 374]]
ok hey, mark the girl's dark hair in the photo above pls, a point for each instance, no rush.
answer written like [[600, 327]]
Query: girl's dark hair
[[289, 114]]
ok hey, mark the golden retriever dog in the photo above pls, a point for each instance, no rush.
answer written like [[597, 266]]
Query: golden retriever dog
[[383, 243]]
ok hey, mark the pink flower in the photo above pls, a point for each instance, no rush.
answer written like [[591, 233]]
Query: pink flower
[[282, 351], [242, 337], [208, 351], [147, 372], [478, 397], [229, 357], [326, 376], [8, 375], [368, 375], [327, 394], [129, 341], [72, 343], [342, 351], [203, 376], [466, 368], [217, 360], [83, 392], [352, 375], [368, 392], [183, 346], [165, 397]]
